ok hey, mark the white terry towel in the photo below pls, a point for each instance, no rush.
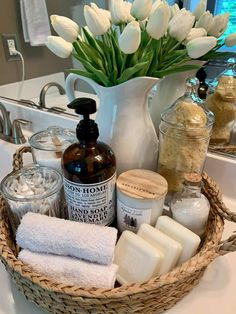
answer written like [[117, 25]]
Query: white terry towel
[[44, 234], [35, 21], [70, 270]]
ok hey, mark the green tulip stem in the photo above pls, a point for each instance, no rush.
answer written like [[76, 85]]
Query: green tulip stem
[[174, 47]]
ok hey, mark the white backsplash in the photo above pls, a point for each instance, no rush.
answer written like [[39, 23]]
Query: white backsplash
[[32, 87]]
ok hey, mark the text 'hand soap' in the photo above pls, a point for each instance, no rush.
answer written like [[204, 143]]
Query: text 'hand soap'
[[89, 171]]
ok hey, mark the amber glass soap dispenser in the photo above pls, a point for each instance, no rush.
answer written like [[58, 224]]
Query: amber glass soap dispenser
[[89, 171]]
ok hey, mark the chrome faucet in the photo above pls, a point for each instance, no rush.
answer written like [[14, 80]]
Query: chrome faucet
[[43, 92], [11, 132], [17, 135], [1, 124], [6, 122]]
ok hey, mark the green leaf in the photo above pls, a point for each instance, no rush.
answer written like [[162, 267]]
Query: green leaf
[[217, 55], [79, 50], [147, 58], [118, 53], [144, 39], [177, 61], [85, 74], [173, 55], [173, 69], [98, 73], [129, 73], [92, 41], [92, 55], [156, 46], [115, 70]]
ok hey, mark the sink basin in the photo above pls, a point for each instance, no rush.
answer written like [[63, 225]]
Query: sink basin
[[223, 170], [40, 121]]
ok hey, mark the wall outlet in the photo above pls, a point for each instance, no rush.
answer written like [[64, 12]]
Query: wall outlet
[[10, 43]]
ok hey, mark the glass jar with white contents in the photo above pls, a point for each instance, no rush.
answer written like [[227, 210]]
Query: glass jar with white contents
[[48, 145], [190, 207], [32, 189], [140, 198]]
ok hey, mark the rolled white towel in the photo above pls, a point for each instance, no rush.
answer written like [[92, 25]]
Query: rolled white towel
[[44, 234], [70, 270]]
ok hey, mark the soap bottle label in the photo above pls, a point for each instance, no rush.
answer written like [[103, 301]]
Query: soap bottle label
[[91, 203], [129, 218]]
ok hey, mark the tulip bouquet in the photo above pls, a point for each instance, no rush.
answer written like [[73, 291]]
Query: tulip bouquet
[[144, 38]]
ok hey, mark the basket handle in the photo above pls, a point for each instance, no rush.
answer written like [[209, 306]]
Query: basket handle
[[17, 162], [212, 192], [228, 245]]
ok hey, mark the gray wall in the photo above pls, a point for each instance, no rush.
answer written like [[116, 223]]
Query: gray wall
[[38, 60]]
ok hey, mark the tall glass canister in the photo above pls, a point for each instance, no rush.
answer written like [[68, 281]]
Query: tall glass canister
[[184, 132], [221, 100]]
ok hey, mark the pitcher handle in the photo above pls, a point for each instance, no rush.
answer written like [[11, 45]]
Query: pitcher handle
[[70, 85]]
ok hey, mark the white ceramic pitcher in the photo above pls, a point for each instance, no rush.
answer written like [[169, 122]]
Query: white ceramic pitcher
[[124, 121]]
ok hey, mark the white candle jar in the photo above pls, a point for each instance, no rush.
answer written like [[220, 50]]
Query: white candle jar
[[140, 198], [48, 146], [33, 189]]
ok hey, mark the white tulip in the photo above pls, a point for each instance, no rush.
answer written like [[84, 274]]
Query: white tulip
[[65, 27], [200, 9], [158, 22], [205, 21], [59, 46], [141, 8], [120, 11], [219, 25], [230, 40], [96, 19], [130, 38], [127, 8], [198, 47], [181, 24], [107, 13], [155, 6], [195, 33], [174, 9]]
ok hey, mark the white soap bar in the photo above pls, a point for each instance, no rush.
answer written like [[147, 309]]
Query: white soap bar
[[170, 248], [189, 240], [138, 260]]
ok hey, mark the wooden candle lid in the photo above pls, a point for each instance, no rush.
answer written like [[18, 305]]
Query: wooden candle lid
[[142, 184]]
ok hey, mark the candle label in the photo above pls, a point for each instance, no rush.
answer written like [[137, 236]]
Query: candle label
[[130, 218], [91, 203]]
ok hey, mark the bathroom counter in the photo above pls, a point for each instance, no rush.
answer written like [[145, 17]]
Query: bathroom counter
[[215, 292]]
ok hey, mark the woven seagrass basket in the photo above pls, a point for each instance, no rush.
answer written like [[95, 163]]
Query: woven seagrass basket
[[154, 296]]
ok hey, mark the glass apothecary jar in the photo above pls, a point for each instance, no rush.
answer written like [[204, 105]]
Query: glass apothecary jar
[[48, 145], [184, 133], [190, 207], [221, 100], [32, 189]]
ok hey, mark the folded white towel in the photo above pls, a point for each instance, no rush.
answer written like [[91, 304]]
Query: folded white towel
[[44, 234], [70, 270], [35, 21]]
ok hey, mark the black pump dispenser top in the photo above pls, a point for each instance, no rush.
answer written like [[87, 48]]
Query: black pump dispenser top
[[87, 129]]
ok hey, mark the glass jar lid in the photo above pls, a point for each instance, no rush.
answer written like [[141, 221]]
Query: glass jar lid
[[224, 85], [188, 111], [53, 138], [32, 182]]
